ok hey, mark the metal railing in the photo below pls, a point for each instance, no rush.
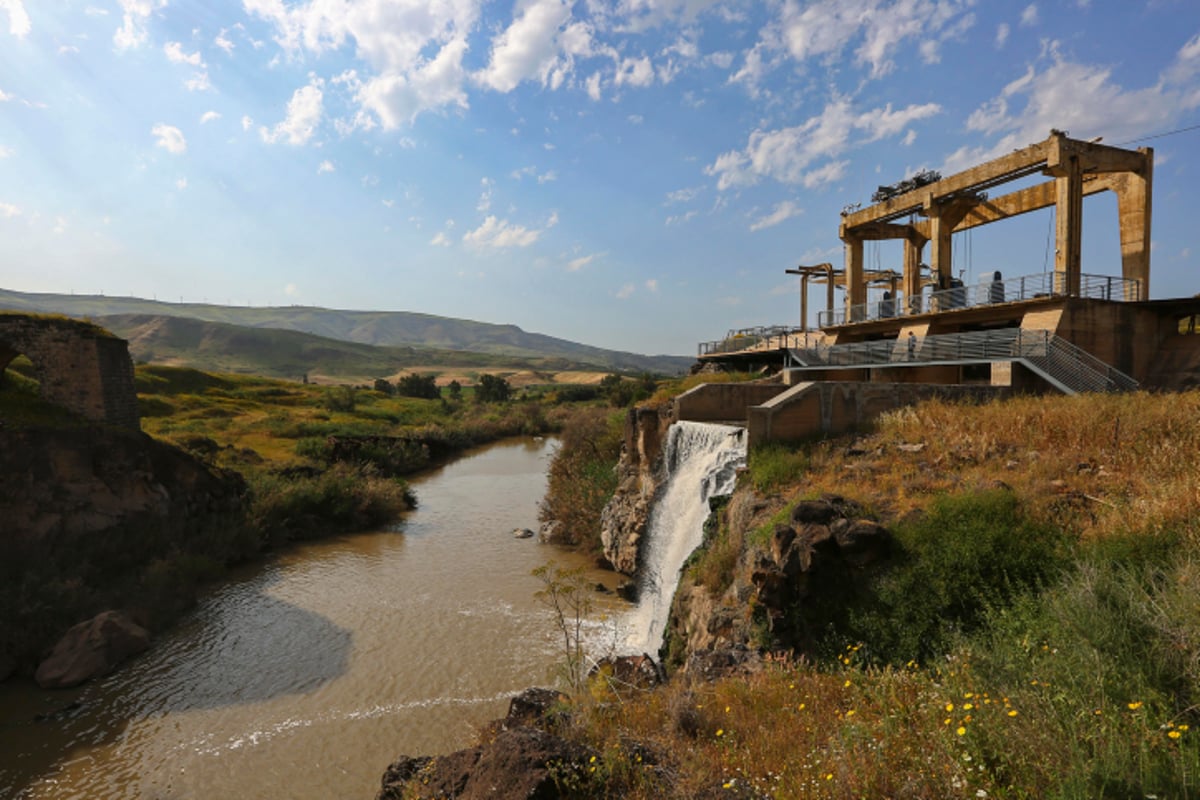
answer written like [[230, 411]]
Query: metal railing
[[1026, 287], [1067, 367], [763, 337]]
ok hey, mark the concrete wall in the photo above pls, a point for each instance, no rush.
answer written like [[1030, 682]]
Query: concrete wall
[[79, 366], [816, 408], [723, 402]]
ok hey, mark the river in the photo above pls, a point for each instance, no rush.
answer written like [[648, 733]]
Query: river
[[305, 677]]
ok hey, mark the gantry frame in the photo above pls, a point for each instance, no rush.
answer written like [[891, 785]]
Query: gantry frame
[[957, 203]]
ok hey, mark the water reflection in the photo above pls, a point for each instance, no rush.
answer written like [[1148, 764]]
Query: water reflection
[[306, 679]]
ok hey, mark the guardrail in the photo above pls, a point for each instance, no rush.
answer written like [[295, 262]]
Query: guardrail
[[1026, 287], [1071, 369], [762, 337]]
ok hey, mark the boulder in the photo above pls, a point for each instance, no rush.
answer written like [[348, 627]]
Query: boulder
[[92, 649], [517, 763], [522, 533], [532, 706], [861, 542], [637, 672]]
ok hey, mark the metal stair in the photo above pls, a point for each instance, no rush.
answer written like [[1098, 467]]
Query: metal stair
[[1068, 368]]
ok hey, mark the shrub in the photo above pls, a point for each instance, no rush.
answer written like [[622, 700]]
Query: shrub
[[339, 398], [420, 386], [492, 389], [582, 476], [969, 554], [774, 466]]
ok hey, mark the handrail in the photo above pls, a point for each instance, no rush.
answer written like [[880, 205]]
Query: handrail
[[1066, 366], [993, 292], [762, 337]]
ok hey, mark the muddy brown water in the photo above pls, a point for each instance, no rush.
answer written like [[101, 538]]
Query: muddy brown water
[[306, 677]]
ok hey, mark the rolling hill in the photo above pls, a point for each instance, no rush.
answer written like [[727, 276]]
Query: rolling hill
[[401, 329]]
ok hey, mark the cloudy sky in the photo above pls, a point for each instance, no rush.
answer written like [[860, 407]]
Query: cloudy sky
[[633, 174]]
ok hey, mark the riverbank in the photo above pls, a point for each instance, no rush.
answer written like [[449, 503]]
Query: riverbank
[[1029, 630], [301, 461]]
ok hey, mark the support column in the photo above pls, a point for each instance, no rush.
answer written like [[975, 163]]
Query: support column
[[1068, 213], [856, 287], [804, 302], [940, 253], [912, 275], [1133, 212]]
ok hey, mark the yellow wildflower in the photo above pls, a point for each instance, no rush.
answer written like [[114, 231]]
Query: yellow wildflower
[[961, 730], [1135, 706], [1174, 734], [1012, 712]]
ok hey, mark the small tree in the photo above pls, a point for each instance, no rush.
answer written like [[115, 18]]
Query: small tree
[[422, 386], [382, 385], [339, 398], [565, 592], [455, 390], [492, 389]]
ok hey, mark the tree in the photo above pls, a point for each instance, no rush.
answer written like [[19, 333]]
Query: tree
[[566, 593], [382, 385], [455, 390], [492, 389], [414, 385]]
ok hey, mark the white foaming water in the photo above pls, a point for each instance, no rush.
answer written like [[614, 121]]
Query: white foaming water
[[702, 461]]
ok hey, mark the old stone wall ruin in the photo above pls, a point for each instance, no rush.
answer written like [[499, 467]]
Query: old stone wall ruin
[[80, 367]]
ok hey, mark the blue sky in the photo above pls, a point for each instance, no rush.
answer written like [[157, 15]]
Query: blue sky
[[633, 174]]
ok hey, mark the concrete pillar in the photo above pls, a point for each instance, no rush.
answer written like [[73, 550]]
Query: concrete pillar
[[940, 258], [1068, 212], [912, 274], [1133, 211], [856, 286], [804, 302]]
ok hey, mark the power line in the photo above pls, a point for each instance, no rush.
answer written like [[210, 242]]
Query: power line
[[1159, 135]]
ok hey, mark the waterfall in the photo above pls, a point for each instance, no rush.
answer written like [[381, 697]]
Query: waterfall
[[701, 461]]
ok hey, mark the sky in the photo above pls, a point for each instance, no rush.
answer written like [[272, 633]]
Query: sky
[[630, 174]]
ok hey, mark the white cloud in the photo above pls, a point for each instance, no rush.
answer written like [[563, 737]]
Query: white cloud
[[485, 195], [247, 123], [441, 240], [637, 72], [169, 138], [495, 233], [823, 29], [652, 285], [1029, 16], [4, 98], [530, 48], [1082, 99], [18, 19], [290, 290], [175, 54], [181, 184], [684, 195], [592, 85], [576, 264], [223, 42], [325, 166], [1002, 31], [787, 154], [395, 38], [210, 116], [198, 82], [782, 212], [626, 291], [680, 219], [67, 49], [135, 13], [8, 210], [304, 112], [6, 152], [60, 225]]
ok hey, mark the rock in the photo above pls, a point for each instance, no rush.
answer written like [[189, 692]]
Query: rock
[[628, 591], [550, 531], [817, 512], [92, 649], [861, 542], [625, 672], [911, 448], [519, 763], [522, 533], [532, 705], [713, 664]]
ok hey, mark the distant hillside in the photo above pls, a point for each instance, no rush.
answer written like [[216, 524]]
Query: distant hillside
[[220, 347], [387, 328]]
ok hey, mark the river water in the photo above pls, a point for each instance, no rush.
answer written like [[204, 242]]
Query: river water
[[307, 677]]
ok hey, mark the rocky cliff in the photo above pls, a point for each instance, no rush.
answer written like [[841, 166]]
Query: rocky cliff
[[93, 518], [640, 474]]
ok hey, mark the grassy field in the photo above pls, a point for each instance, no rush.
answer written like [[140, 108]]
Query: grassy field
[[1037, 637]]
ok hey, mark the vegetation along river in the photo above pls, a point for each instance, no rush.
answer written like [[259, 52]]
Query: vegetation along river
[[307, 677]]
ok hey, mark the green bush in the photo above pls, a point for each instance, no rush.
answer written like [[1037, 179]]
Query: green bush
[[970, 554], [773, 466], [582, 476]]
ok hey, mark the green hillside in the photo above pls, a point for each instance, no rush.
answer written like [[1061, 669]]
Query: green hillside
[[385, 328], [270, 352]]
